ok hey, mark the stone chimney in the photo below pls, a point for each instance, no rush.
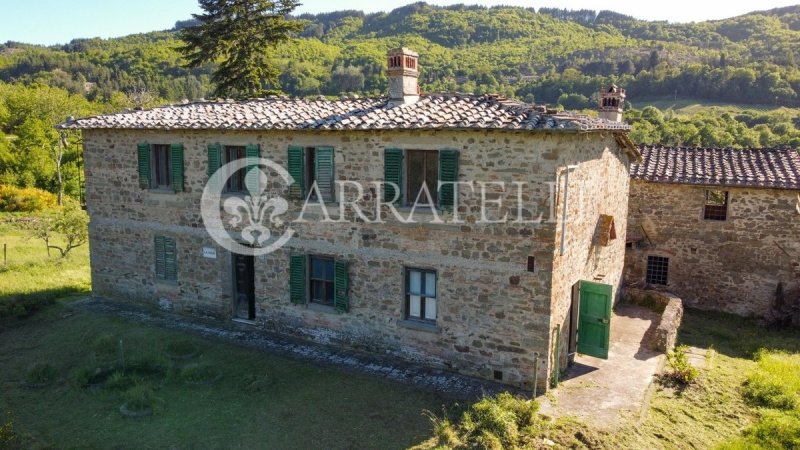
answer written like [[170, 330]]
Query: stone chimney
[[612, 102], [403, 76]]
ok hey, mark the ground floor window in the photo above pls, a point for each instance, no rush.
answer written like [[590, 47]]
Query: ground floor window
[[166, 259], [657, 270], [421, 295], [321, 280]]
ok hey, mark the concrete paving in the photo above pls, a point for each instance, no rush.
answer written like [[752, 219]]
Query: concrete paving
[[605, 392]]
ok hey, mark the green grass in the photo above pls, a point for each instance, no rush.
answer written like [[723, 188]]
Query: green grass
[[260, 401], [29, 277], [693, 106]]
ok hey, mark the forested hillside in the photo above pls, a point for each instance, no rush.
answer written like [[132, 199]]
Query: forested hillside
[[548, 56]]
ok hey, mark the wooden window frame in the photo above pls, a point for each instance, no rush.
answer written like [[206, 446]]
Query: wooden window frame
[[234, 183], [330, 285], [160, 168], [423, 298], [714, 210], [411, 198]]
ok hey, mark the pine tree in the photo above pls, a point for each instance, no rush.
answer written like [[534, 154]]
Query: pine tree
[[238, 35]]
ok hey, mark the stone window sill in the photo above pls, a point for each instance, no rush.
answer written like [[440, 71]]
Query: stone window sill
[[161, 191], [419, 326], [327, 309], [168, 285]]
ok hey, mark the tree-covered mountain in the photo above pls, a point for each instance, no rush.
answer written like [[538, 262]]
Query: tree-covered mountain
[[547, 55]]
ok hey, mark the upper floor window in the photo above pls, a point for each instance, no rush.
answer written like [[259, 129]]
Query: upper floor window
[[161, 166], [412, 170], [716, 205], [235, 181], [310, 167]]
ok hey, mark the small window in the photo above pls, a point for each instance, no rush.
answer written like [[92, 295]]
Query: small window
[[421, 295], [716, 207], [160, 167], [422, 168], [235, 182], [166, 258], [321, 280], [657, 270]]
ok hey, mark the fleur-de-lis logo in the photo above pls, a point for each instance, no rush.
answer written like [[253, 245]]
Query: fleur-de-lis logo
[[252, 213]]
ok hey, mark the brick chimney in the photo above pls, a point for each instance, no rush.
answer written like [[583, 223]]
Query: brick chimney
[[612, 102], [403, 76]]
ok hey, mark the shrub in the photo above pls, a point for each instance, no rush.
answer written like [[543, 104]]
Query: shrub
[[14, 199], [776, 381], [140, 398], [26, 304], [499, 422], [120, 381], [41, 374], [680, 370]]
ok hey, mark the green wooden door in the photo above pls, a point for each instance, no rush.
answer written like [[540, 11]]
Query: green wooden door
[[594, 323]]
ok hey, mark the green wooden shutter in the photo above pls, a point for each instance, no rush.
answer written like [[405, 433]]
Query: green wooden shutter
[[448, 173], [170, 260], [214, 160], [160, 262], [176, 169], [393, 173], [324, 171], [341, 280], [144, 165], [252, 154], [297, 164], [297, 279]]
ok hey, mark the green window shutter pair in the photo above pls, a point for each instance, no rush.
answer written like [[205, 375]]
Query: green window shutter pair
[[393, 173], [298, 265], [175, 161], [143, 151], [166, 258], [448, 173], [176, 166], [324, 172]]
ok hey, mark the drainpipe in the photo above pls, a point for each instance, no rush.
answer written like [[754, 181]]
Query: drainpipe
[[564, 210], [557, 361], [535, 372]]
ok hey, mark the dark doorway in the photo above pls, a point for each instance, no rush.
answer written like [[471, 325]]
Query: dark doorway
[[244, 285]]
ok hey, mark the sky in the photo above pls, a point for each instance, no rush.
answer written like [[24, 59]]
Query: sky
[[51, 22]]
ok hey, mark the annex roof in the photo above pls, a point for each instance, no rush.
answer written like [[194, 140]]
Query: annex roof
[[431, 111], [777, 168]]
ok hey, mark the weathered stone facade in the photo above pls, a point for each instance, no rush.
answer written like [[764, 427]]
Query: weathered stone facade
[[733, 265], [493, 314]]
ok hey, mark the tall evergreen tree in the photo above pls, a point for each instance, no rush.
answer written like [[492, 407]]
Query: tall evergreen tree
[[238, 35]]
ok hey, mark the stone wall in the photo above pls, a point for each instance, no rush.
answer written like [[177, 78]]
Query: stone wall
[[493, 314], [671, 309], [733, 265]]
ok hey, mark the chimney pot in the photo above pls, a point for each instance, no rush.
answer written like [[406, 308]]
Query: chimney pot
[[403, 71]]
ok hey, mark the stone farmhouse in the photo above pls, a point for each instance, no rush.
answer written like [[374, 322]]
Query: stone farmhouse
[[470, 293], [719, 228]]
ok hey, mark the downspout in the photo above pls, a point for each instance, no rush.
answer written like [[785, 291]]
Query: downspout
[[535, 372], [557, 359], [564, 209]]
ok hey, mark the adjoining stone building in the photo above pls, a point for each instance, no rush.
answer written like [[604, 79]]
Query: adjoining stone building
[[484, 299], [720, 228]]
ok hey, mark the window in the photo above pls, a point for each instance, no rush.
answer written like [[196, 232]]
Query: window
[[166, 259], [716, 207], [422, 168], [309, 165], [321, 280], [159, 160], [421, 295], [235, 182], [657, 270], [160, 166]]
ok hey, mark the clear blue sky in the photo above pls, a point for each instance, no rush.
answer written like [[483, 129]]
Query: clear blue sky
[[59, 21]]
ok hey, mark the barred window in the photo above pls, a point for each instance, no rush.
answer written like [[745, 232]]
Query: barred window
[[657, 270], [716, 206]]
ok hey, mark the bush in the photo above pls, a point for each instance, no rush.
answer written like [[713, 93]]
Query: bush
[[680, 370], [120, 381], [774, 430], [141, 398], [499, 422], [25, 305], [776, 381], [14, 199]]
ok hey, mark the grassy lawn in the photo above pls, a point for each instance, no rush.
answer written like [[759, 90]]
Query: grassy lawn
[[65, 372]]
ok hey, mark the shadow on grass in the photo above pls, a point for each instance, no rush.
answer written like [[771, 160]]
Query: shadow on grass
[[24, 305], [734, 336]]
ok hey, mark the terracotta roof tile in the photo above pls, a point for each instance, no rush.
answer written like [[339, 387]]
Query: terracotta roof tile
[[434, 111], [769, 168]]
